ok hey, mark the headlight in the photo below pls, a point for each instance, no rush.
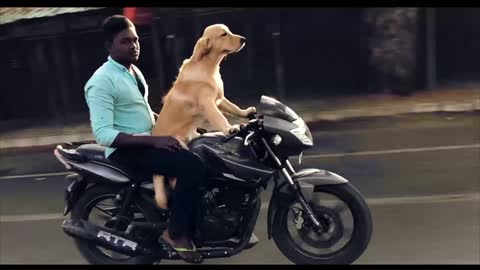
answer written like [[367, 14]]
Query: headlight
[[302, 132], [277, 139]]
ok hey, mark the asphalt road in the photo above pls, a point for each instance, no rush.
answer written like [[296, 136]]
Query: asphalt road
[[405, 166]]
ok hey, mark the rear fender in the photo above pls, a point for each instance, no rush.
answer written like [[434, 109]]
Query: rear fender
[[76, 186]]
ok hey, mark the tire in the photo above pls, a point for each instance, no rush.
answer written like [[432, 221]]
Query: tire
[[88, 250], [360, 237]]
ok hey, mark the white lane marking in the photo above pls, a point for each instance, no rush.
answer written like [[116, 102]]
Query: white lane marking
[[396, 151], [445, 198], [34, 175], [425, 199], [40, 178], [362, 153], [442, 198], [33, 217]]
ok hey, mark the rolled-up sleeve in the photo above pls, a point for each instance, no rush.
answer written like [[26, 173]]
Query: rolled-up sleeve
[[100, 97]]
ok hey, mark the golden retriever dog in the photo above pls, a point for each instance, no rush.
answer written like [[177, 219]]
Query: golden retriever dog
[[197, 95]]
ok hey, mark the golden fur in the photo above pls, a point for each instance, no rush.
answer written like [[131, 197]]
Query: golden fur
[[197, 94]]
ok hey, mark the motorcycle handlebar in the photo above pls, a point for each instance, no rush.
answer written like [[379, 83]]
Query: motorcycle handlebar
[[252, 115], [235, 134], [243, 128]]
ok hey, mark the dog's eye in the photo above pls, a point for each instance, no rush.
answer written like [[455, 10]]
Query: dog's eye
[[224, 34]]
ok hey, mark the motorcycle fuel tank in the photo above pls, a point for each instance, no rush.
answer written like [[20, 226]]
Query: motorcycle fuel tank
[[231, 160]]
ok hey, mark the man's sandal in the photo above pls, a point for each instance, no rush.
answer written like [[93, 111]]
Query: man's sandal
[[189, 255]]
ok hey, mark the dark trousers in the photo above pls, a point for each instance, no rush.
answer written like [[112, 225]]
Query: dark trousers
[[190, 171]]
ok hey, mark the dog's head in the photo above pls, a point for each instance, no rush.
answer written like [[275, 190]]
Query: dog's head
[[217, 39]]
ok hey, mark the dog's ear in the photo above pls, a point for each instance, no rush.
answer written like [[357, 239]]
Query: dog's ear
[[202, 48]]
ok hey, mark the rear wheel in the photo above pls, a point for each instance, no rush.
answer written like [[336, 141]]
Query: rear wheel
[[98, 205], [343, 213]]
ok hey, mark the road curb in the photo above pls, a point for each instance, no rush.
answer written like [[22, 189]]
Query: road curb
[[360, 113]]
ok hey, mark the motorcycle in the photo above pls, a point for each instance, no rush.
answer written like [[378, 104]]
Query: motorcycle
[[115, 220]]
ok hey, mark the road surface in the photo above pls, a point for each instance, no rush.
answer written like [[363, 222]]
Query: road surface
[[419, 173]]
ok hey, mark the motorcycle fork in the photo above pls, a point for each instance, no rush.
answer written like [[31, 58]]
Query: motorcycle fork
[[294, 185]]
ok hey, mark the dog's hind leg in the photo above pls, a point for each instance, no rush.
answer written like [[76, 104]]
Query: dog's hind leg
[[160, 192], [173, 180]]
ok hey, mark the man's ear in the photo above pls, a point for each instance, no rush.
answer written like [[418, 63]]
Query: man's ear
[[108, 45], [202, 48]]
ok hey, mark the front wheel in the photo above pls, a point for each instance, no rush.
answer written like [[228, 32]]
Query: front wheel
[[347, 224]]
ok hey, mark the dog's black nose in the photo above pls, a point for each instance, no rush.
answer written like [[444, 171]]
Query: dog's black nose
[[242, 40]]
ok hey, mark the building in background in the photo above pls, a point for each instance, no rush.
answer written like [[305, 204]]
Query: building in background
[[49, 53]]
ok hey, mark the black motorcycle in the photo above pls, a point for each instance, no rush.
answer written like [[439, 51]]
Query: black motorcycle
[[314, 216]]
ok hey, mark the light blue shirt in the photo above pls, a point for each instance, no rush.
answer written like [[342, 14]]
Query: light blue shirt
[[116, 104]]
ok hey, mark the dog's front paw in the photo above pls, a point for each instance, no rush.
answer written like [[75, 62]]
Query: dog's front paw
[[231, 130], [248, 111]]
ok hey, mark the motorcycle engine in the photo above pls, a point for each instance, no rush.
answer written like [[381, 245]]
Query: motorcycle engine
[[222, 217]]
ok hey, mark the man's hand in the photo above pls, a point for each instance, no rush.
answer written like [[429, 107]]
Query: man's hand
[[166, 143]]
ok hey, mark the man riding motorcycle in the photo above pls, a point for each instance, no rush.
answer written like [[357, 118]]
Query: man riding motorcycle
[[117, 112]]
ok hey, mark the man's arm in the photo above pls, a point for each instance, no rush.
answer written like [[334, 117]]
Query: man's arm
[[124, 140], [101, 105], [100, 101]]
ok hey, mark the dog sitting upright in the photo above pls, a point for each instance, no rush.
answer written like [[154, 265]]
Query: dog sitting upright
[[197, 95]]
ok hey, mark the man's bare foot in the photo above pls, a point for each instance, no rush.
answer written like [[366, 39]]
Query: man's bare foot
[[182, 242], [167, 238]]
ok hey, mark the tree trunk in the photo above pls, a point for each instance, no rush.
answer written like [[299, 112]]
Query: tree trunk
[[393, 47]]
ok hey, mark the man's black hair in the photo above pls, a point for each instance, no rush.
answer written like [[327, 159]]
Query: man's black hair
[[114, 25]]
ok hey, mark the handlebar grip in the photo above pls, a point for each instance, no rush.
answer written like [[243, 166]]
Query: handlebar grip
[[201, 131], [252, 115], [243, 128], [230, 137]]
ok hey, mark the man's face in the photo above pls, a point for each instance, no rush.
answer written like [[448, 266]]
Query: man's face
[[125, 47]]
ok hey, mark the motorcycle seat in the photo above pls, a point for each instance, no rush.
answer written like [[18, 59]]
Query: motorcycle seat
[[95, 152]]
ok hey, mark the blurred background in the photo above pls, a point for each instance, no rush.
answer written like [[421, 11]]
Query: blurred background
[[49, 53], [391, 95]]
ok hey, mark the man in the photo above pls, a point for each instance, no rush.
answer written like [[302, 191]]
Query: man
[[121, 119]]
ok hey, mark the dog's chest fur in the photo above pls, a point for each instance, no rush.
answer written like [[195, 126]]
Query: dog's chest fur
[[219, 85], [198, 75]]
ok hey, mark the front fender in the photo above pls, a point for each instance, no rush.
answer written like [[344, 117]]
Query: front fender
[[307, 179]]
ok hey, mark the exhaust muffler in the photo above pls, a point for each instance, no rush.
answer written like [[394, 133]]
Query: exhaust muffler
[[104, 237]]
